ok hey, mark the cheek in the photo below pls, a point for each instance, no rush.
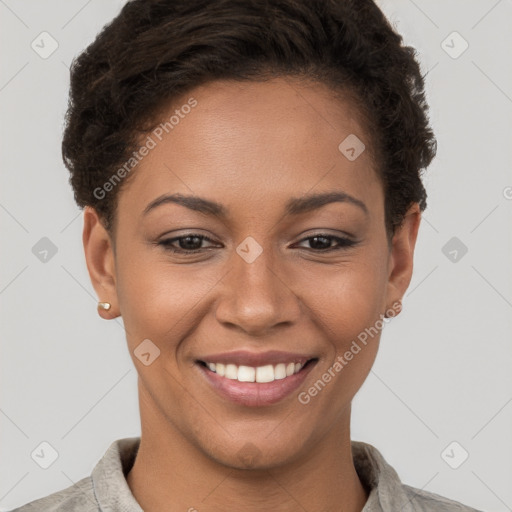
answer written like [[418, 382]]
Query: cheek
[[158, 300], [347, 307], [348, 297], [347, 304]]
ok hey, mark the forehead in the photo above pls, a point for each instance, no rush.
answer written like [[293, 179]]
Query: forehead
[[255, 140]]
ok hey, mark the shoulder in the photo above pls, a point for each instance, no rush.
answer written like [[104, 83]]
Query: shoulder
[[428, 501], [79, 497], [386, 491], [104, 490]]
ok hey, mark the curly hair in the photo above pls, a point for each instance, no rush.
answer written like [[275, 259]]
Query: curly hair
[[156, 50]]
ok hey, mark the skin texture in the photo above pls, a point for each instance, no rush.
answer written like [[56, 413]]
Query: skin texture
[[250, 146]]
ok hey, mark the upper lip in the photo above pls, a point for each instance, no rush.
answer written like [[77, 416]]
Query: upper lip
[[255, 359]]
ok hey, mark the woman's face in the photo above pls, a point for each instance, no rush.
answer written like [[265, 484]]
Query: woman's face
[[261, 290]]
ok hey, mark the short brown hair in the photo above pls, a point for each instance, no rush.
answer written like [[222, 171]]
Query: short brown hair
[[155, 50]]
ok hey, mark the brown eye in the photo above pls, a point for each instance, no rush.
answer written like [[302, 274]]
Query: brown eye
[[188, 244], [322, 242]]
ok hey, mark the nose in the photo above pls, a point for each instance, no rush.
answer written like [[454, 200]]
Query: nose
[[256, 297]]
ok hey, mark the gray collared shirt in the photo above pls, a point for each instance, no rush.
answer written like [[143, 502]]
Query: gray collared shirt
[[106, 490]]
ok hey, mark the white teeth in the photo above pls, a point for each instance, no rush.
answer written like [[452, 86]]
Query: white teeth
[[267, 373], [246, 374], [231, 372], [280, 371], [220, 369]]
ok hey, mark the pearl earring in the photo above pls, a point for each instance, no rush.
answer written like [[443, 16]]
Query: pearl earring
[[104, 305]]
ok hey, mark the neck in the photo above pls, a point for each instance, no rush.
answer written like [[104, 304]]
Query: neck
[[170, 473]]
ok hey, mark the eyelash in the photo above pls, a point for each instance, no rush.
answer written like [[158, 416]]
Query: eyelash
[[343, 243]]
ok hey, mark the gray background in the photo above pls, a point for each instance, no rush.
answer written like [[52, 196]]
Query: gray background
[[443, 370]]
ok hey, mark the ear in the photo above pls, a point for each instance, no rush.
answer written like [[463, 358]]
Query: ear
[[99, 256], [402, 255]]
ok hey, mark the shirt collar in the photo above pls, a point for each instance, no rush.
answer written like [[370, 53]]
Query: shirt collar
[[113, 494], [109, 477], [386, 491]]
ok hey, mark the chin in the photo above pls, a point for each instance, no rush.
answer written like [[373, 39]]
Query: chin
[[256, 452]]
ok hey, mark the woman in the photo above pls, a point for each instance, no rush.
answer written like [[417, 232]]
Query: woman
[[251, 177]]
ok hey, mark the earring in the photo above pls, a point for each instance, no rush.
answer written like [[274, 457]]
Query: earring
[[104, 305]]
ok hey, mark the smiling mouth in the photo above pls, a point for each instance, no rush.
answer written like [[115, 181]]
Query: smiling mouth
[[260, 374]]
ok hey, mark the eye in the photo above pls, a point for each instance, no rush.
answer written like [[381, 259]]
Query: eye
[[189, 243], [321, 242]]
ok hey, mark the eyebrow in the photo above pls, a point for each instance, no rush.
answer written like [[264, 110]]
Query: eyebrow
[[294, 206]]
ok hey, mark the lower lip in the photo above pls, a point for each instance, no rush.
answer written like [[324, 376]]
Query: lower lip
[[255, 394]]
